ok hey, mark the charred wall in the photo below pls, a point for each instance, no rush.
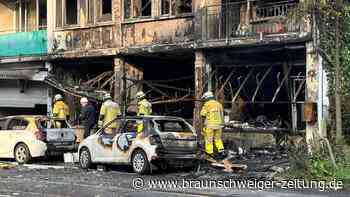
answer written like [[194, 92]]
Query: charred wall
[[81, 41], [169, 31]]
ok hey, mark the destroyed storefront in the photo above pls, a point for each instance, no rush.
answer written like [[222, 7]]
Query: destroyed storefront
[[262, 86], [263, 89], [166, 77], [83, 77]]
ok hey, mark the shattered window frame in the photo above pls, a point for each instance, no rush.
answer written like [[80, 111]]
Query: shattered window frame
[[42, 14], [100, 16], [174, 7], [165, 7], [65, 15], [17, 124], [90, 11], [145, 9], [30, 15]]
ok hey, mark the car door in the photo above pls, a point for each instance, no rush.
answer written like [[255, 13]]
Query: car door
[[104, 145], [124, 140], [15, 132], [4, 138]]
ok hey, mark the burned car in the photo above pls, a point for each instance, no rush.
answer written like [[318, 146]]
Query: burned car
[[24, 137], [143, 142]]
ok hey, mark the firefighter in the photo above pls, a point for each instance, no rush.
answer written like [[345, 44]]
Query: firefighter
[[109, 111], [144, 108], [60, 109], [213, 114]]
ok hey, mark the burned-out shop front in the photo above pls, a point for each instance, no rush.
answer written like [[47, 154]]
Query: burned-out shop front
[[168, 81], [262, 86]]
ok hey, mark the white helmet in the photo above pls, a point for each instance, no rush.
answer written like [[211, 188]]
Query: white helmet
[[140, 94], [58, 97], [84, 100], [107, 96], [207, 95]]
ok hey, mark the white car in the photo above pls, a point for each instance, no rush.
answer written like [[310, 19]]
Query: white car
[[162, 141], [21, 138], [24, 137]]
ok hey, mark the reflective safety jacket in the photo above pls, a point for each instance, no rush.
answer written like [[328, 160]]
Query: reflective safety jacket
[[109, 111], [60, 110], [144, 108], [213, 112]]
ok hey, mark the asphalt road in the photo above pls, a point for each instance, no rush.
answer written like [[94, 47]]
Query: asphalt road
[[58, 181]]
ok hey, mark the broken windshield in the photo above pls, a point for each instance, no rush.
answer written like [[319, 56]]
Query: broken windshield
[[172, 126]]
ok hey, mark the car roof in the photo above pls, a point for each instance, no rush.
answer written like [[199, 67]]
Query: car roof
[[23, 116]]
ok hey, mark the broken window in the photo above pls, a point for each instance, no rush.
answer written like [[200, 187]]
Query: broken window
[[127, 8], [71, 12], [30, 15], [176, 7], [145, 8], [17, 124], [183, 6], [165, 7], [42, 14], [90, 10], [106, 7], [58, 13], [104, 10]]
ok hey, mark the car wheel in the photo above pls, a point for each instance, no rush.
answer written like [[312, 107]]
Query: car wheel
[[85, 158], [22, 154], [140, 162]]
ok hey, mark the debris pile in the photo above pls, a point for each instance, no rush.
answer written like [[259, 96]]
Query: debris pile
[[257, 164], [7, 166]]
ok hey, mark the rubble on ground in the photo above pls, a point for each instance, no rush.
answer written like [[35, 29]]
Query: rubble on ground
[[255, 163], [6, 166]]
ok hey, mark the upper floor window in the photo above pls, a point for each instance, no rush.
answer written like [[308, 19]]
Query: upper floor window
[[71, 12], [104, 10], [175, 7], [143, 8], [81, 12], [30, 15], [106, 7]]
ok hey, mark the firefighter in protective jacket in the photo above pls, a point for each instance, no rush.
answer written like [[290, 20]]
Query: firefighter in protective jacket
[[143, 106], [213, 115], [109, 111], [60, 109]]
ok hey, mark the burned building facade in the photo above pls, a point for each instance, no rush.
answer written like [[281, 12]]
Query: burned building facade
[[256, 55]]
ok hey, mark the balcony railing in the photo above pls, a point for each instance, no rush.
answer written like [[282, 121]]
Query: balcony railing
[[232, 20], [23, 43]]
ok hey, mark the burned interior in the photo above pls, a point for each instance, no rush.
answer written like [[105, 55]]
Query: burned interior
[[168, 80], [264, 87]]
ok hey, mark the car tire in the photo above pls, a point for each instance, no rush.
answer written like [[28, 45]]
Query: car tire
[[140, 162], [22, 154], [85, 158]]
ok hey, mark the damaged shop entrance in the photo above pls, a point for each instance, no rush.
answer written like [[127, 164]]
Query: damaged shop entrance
[[263, 89], [76, 78], [166, 78]]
